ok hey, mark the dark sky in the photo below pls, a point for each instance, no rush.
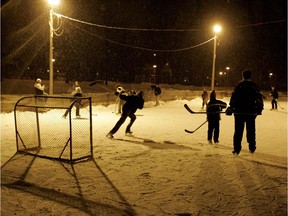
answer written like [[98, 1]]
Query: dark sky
[[254, 36]]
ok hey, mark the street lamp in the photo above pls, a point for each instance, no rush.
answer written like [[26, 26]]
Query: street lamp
[[217, 29], [52, 3]]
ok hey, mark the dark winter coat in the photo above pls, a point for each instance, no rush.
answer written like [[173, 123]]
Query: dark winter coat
[[214, 107], [274, 94], [246, 98], [133, 102]]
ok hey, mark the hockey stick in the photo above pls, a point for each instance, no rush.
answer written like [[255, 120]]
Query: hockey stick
[[188, 131], [193, 112], [280, 105]]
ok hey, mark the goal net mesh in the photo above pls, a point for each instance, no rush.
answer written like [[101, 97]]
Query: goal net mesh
[[43, 130]]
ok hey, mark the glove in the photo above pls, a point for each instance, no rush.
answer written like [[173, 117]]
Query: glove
[[229, 111]]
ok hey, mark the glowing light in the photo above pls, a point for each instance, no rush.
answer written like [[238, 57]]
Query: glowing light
[[54, 2], [154, 66], [217, 28]]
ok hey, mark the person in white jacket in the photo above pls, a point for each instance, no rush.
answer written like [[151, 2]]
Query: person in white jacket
[[77, 93]]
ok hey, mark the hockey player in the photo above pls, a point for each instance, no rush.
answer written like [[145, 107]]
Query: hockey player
[[157, 91], [77, 92], [214, 107], [246, 103], [204, 98], [40, 88], [133, 102], [274, 94]]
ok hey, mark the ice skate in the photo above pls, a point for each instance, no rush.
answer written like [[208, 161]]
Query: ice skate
[[110, 135], [128, 133]]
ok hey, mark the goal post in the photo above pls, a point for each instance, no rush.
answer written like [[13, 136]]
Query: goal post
[[54, 127]]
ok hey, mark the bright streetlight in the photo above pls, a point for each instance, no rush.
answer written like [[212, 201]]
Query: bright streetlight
[[217, 29], [52, 3]]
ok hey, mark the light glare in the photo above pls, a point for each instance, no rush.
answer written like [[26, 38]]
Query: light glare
[[217, 28], [54, 2]]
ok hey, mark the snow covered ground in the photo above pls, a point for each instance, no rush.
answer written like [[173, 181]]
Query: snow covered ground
[[162, 170]]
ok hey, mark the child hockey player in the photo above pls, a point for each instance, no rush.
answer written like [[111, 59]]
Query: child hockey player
[[214, 107]]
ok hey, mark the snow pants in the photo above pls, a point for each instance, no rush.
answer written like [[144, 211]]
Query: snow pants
[[213, 129], [274, 103], [239, 124], [122, 120]]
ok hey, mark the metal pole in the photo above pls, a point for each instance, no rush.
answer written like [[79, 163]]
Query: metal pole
[[51, 54], [214, 61]]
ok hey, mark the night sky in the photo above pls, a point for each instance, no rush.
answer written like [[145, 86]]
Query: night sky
[[254, 36]]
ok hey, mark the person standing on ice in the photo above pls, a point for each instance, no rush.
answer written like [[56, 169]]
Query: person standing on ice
[[77, 92], [214, 107], [40, 88], [133, 102], [246, 103], [204, 98], [157, 92], [274, 94]]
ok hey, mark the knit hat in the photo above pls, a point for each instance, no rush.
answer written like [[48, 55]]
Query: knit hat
[[213, 95]]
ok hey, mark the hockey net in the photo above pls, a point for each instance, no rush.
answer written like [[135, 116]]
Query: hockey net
[[42, 130]]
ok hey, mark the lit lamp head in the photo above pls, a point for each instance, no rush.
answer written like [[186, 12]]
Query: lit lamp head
[[217, 29], [54, 2]]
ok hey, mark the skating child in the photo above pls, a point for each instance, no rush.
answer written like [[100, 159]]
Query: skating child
[[214, 107]]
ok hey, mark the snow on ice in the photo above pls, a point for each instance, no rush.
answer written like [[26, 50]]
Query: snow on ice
[[160, 171]]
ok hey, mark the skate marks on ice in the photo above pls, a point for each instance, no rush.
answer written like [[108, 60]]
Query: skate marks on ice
[[82, 188], [220, 150], [232, 186]]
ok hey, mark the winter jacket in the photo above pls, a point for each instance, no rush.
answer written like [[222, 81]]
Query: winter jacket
[[274, 94], [133, 102], [246, 99], [214, 107]]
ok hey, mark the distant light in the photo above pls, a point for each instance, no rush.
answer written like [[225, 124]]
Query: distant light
[[154, 66], [54, 2], [227, 68], [53, 60], [217, 28], [220, 73], [154, 54], [270, 74]]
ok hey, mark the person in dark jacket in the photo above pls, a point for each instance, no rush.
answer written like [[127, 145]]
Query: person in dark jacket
[[246, 103], [274, 94], [204, 98], [157, 91], [133, 102], [214, 107]]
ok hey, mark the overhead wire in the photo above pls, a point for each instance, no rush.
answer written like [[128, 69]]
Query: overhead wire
[[147, 49], [152, 30], [125, 28]]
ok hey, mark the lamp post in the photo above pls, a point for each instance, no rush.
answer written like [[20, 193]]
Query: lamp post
[[52, 3], [217, 29]]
